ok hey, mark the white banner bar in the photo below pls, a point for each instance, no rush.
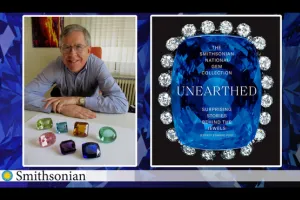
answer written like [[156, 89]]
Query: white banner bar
[[150, 175]]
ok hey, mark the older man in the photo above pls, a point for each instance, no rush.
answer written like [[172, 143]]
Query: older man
[[79, 76]]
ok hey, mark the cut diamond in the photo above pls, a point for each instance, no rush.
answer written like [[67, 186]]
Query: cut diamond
[[198, 127], [226, 27], [266, 101], [243, 30], [173, 43], [167, 61], [259, 42], [267, 82], [260, 135], [228, 154], [189, 30], [265, 63], [164, 99], [166, 118], [188, 150], [265, 118], [207, 27], [171, 135], [246, 151], [208, 155], [164, 80]]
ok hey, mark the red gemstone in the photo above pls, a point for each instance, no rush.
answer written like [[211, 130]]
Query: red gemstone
[[47, 139]]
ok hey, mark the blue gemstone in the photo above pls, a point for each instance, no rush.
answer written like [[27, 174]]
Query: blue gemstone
[[91, 150], [62, 127], [216, 92]]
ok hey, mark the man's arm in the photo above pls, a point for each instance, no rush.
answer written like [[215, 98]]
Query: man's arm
[[36, 89], [113, 100]]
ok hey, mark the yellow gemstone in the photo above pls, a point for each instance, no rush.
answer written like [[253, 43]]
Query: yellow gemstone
[[81, 129]]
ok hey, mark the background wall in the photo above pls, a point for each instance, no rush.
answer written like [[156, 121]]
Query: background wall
[[116, 36]]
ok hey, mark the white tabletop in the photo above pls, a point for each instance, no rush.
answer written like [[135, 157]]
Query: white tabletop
[[120, 153]]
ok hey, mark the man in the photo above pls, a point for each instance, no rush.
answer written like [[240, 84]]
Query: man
[[79, 76]]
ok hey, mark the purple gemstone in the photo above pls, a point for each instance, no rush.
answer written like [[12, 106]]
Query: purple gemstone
[[67, 147]]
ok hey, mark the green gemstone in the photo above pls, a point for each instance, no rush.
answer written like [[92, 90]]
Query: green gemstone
[[44, 123], [107, 134]]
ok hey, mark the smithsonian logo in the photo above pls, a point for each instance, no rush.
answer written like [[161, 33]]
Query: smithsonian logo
[[7, 175]]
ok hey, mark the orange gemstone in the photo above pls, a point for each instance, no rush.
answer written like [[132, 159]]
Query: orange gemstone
[[81, 129]]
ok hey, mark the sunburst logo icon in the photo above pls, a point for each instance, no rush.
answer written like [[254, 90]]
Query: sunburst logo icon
[[7, 175]]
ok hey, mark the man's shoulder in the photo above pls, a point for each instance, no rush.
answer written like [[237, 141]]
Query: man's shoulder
[[95, 62], [56, 63]]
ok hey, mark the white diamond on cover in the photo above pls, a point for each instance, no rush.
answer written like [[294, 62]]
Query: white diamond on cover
[[165, 80], [171, 135], [246, 151], [243, 30], [164, 99], [267, 82], [226, 27], [207, 27], [188, 30], [259, 42], [228, 154], [167, 61], [166, 117], [260, 135], [266, 100], [264, 118], [264, 63], [208, 155], [173, 43], [188, 150]]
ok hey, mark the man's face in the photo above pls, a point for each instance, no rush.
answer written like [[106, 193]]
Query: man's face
[[75, 51]]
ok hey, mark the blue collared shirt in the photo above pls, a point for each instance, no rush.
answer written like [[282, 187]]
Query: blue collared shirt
[[94, 77]]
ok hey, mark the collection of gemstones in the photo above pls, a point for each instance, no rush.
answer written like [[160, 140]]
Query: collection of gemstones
[[81, 129], [165, 80]]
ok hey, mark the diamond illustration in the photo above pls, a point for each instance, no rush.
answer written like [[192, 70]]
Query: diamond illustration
[[164, 99], [167, 61], [243, 30], [188, 30], [164, 80], [226, 27], [265, 63], [265, 118], [207, 27], [266, 101], [166, 118], [171, 135]]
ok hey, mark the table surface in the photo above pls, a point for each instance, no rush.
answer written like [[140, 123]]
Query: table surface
[[120, 153]]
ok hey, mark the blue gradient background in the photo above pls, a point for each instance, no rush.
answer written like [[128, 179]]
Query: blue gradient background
[[11, 103]]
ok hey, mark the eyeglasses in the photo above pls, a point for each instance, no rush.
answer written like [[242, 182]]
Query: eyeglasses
[[78, 48]]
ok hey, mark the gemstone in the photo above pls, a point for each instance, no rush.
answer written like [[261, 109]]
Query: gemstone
[[267, 82], [164, 80], [47, 139], [166, 117], [164, 99], [265, 63], [207, 27], [67, 147], [246, 151], [171, 134], [266, 100], [226, 27], [260, 135], [228, 154], [243, 30], [188, 150], [173, 43], [264, 118], [216, 92], [81, 129], [91, 150], [208, 155], [188, 30], [259, 42], [107, 134], [167, 61], [62, 127], [44, 123]]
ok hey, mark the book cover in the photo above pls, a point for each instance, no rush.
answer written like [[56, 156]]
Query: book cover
[[216, 91]]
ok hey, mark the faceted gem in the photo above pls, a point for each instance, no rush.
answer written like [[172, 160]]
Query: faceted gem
[[243, 30], [265, 63], [107, 134], [167, 61], [188, 30], [207, 27], [44, 123], [267, 82], [91, 150], [81, 129], [265, 118], [67, 147], [62, 127], [260, 135], [164, 99], [166, 117], [226, 27], [216, 92], [208, 155], [47, 139], [164, 80], [188, 150], [171, 135], [228, 154], [259, 43], [246, 151], [266, 100]]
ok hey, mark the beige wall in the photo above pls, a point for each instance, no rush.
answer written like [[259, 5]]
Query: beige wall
[[35, 59]]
